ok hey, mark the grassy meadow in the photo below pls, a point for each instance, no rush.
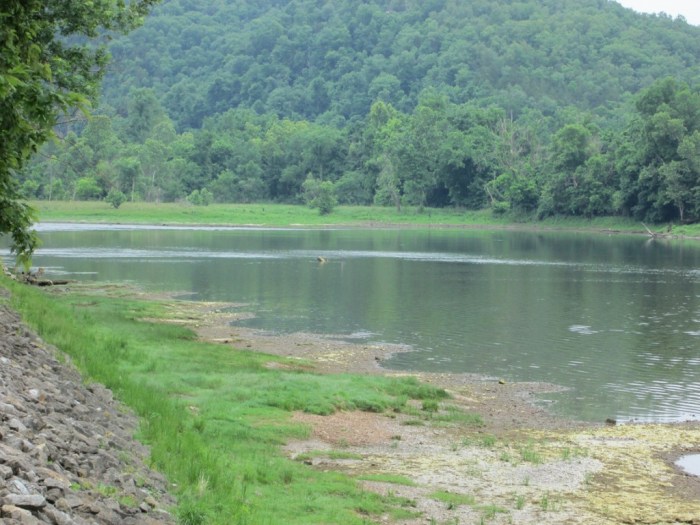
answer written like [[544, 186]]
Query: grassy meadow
[[249, 214], [284, 215], [216, 418]]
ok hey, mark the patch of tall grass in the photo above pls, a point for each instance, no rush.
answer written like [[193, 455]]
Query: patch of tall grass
[[215, 417]]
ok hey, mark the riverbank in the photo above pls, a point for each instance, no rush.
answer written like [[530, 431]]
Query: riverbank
[[67, 453], [533, 467], [308, 430], [279, 215]]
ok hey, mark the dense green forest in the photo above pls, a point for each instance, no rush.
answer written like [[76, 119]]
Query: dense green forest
[[530, 107]]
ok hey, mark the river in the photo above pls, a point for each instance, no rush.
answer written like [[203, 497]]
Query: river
[[614, 319]]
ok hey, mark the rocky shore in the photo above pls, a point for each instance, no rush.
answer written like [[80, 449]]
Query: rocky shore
[[67, 452]]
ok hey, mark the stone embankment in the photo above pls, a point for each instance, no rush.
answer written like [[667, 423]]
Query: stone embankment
[[67, 453]]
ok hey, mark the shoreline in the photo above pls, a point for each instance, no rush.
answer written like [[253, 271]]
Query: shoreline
[[515, 464], [353, 216], [329, 354], [593, 473], [372, 225], [522, 464]]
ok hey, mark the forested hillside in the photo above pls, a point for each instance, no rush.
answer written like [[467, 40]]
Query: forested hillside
[[317, 58], [531, 107]]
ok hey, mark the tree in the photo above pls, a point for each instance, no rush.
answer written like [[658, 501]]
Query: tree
[[319, 194], [144, 113], [669, 141], [116, 198], [421, 151], [388, 184], [86, 189], [47, 71], [200, 198], [571, 148], [129, 169]]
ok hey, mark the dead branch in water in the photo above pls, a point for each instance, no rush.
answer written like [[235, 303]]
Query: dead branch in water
[[651, 233], [34, 278]]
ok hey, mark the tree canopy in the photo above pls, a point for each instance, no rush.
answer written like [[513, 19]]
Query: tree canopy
[[529, 107], [49, 66], [330, 60]]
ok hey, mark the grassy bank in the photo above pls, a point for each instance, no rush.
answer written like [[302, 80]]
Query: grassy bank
[[251, 214], [287, 215], [216, 418]]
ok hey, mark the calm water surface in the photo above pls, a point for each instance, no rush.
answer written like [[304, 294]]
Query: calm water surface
[[615, 319]]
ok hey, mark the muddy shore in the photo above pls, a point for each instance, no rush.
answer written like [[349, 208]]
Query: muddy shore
[[523, 465]]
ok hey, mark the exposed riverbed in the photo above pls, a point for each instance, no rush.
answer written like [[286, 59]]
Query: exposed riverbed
[[536, 467]]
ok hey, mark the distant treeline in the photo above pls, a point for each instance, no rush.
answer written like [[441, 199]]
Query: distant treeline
[[440, 153], [530, 107]]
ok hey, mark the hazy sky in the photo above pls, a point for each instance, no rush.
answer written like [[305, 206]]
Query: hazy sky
[[690, 9]]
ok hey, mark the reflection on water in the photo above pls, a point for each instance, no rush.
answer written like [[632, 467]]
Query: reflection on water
[[615, 319]]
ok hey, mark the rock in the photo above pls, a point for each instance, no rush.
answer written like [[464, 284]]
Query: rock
[[54, 494], [30, 501], [16, 425], [34, 394], [18, 515], [54, 483], [71, 501], [62, 504], [57, 517], [37, 424], [47, 474], [6, 408], [16, 486], [109, 517], [5, 472]]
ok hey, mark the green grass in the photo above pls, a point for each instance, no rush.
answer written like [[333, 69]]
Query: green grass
[[254, 214], [330, 454], [453, 500], [388, 478], [214, 417], [455, 415], [489, 511], [569, 453], [488, 441], [529, 454], [485, 441], [291, 215]]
